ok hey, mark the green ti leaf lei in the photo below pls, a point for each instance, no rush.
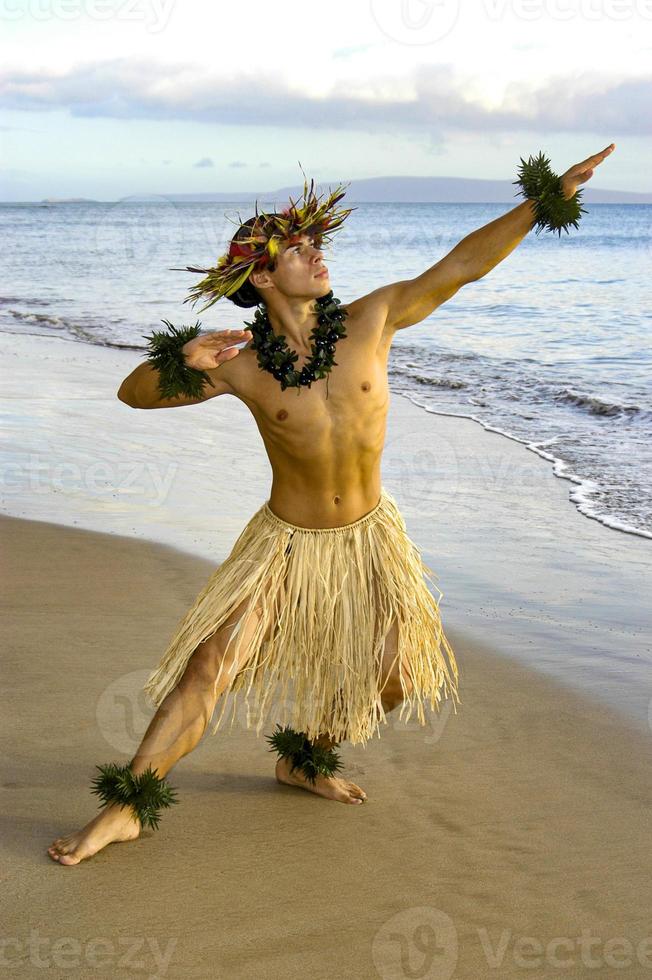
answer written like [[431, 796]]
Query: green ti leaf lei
[[311, 760], [146, 793], [165, 354], [275, 356], [544, 188]]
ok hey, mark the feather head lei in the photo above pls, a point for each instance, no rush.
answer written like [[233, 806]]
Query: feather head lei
[[260, 248]]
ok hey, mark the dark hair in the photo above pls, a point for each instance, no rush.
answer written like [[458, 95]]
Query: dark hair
[[247, 295]]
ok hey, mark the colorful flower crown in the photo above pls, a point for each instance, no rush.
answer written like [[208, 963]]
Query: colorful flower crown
[[262, 246]]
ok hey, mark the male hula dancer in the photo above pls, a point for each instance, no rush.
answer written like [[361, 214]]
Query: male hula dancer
[[323, 589]]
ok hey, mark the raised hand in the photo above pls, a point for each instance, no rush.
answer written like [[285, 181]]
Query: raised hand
[[208, 350], [579, 173]]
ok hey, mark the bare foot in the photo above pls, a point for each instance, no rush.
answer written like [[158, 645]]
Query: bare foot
[[332, 787], [114, 823]]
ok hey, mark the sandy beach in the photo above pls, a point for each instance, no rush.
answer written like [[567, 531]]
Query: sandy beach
[[491, 843], [508, 840]]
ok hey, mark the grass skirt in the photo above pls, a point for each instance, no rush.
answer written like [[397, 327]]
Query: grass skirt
[[326, 598]]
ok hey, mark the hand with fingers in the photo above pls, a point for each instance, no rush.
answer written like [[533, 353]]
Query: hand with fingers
[[209, 350], [579, 173]]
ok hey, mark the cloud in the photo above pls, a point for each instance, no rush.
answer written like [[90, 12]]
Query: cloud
[[238, 163], [434, 97], [204, 162]]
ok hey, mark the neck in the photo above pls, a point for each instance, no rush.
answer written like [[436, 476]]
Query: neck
[[293, 318]]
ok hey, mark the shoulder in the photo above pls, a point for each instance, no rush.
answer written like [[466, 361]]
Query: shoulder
[[370, 313], [235, 374], [379, 302]]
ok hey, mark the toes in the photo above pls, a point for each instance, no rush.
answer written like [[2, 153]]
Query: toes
[[58, 853], [349, 796], [357, 791], [68, 859]]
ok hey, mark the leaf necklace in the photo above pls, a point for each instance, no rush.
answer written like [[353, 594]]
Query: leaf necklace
[[275, 356]]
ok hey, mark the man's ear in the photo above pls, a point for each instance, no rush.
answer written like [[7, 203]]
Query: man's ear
[[261, 279]]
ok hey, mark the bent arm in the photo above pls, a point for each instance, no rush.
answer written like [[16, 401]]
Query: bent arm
[[140, 389]]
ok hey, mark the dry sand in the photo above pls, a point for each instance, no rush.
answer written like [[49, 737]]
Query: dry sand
[[508, 840]]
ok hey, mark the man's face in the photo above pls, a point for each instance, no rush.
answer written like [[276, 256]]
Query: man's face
[[300, 269]]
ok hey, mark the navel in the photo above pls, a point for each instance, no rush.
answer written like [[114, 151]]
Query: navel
[[336, 499], [282, 414], [365, 386]]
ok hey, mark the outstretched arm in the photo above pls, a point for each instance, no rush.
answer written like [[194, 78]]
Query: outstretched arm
[[412, 300]]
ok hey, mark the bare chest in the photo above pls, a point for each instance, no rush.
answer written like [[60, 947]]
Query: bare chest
[[350, 402]]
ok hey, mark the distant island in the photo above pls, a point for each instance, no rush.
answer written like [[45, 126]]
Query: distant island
[[68, 200], [377, 190], [417, 190]]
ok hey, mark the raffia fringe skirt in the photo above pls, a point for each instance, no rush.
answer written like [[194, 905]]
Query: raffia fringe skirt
[[325, 600]]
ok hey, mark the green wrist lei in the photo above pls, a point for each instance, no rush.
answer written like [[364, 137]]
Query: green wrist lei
[[544, 188], [165, 354], [311, 760], [147, 793]]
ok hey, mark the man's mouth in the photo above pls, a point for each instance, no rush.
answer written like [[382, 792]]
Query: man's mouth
[[321, 274]]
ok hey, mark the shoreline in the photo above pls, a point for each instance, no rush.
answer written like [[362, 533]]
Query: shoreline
[[578, 497], [493, 825], [558, 466], [514, 559]]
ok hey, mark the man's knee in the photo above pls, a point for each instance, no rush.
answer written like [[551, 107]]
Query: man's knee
[[227, 650], [206, 662], [393, 693]]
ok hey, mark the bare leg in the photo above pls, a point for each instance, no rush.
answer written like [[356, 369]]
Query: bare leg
[[334, 787], [173, 732]]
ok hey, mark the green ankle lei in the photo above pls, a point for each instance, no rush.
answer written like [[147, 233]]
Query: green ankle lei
[[147, 793], [544, 188], [311, 760]]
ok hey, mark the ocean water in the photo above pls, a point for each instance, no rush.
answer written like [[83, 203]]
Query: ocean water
[[551, 348]]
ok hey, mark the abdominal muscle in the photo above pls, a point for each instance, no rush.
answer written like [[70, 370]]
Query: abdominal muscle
[[325, 453], [328, 474]]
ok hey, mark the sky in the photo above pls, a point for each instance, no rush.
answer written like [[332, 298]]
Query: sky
[[111, 98]]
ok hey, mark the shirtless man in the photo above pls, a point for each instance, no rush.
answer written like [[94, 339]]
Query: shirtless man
[[325, 455]]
